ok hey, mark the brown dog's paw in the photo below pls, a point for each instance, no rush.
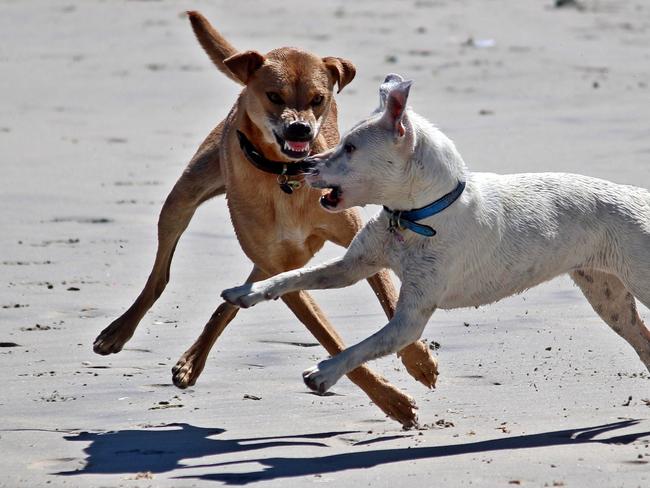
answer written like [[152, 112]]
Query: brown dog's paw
[[188, 369], [393, 402], [111, 340], [397, 405], [420, 363]]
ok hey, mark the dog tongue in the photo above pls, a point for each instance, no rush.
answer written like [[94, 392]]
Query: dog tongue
[[298, 146]]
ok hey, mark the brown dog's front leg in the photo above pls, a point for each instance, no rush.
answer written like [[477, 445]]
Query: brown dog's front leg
[[416, 357], [200, 181], [190, 365], [391, 400], [174, 218]]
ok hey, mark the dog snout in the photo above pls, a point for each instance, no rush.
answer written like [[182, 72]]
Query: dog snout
[[298, 131]]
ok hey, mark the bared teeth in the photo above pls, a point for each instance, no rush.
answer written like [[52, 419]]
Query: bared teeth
[[296, 146]]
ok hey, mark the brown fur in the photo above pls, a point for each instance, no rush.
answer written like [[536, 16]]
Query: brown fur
[[277, 232]]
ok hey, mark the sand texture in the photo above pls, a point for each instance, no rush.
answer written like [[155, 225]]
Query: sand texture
[[102, 103]]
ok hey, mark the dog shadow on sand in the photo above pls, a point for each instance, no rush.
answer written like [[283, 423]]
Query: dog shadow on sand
[[160, 450]]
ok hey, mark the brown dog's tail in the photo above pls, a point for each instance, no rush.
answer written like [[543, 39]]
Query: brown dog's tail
[[213, 43]]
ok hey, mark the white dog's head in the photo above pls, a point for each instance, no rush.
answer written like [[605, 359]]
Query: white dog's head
[[394, 158], [372, 158]]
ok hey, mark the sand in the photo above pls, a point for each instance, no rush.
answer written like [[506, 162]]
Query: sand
[[102, 105]]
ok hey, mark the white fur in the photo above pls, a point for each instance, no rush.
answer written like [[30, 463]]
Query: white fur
[[506, 233]]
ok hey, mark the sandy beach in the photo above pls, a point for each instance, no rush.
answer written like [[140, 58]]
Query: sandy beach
[[103, 103]]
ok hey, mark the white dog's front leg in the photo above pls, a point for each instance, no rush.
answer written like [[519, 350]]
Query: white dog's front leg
[[337, 273], [404, 328]]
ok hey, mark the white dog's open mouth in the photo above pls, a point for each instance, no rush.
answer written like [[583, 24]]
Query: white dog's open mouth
[[332, 198]]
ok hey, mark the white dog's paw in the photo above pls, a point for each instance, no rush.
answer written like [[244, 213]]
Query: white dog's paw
[[320, 378], [247, 295]]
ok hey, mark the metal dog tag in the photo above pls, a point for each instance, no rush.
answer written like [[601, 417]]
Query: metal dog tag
[[283, 181], [288, 186]]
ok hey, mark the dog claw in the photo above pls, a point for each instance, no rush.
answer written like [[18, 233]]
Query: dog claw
[[182, 378], [112, 339], [397, 405], [406, 413], [316, 380], [242, 296], [424, 375], [420, 364], [188, 369]]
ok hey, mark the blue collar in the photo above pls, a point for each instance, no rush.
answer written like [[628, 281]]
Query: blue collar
[[406, 219]]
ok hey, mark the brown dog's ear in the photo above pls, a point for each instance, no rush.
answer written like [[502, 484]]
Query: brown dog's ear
[[342, 71], [243, 65]]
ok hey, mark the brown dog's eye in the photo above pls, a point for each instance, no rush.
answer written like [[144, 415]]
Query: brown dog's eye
[[349, 148], [317, 100], [275, 98]]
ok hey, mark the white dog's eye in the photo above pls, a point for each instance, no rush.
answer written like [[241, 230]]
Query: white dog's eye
[[349, 148]]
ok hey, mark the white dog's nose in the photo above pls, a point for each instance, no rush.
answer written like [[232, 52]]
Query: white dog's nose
[[309, 166]]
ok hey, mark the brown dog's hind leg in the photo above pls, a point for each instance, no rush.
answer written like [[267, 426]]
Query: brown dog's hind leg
[[190, 365], [391, 400], [616, 306], [200, 181]]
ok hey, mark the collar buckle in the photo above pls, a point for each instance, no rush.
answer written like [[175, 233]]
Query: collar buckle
[[408, 219], [395, 222]]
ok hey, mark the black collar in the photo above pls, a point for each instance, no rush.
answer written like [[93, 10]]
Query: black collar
[[268, 165], [281, 168]]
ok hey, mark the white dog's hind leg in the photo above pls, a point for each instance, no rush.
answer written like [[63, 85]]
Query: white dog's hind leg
[[404, 328], [616, 306]]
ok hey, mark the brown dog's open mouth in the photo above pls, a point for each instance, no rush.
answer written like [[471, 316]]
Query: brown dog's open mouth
[[332, 198], [293, 149]]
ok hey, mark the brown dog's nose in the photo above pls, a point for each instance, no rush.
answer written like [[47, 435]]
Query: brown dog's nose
[[298, 131]]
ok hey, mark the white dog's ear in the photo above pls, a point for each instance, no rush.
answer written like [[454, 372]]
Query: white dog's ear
[[389, 82], [396, 99]]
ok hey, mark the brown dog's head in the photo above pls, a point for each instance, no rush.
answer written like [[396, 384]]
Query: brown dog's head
[[288, 93]]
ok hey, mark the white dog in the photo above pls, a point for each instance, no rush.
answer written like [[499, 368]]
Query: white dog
[[473, 239]]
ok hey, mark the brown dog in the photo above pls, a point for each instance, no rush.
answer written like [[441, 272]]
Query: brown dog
[[285, 112]]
